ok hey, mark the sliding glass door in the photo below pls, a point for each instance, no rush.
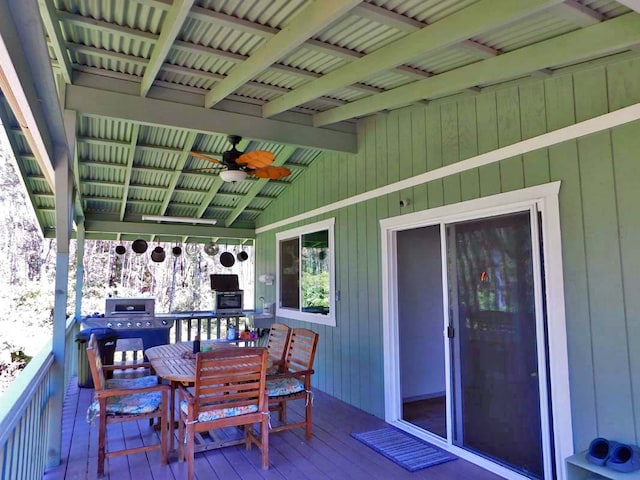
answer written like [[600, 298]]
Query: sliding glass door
[[495, 317]]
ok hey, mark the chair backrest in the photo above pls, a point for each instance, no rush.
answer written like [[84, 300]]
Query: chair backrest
[[129, 347], [278, 341], [231, 378], [95, 363], [301, 350]]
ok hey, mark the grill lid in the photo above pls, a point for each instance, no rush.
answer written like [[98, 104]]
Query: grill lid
[[129, 307]]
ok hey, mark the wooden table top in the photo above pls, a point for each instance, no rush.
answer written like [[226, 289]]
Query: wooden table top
[[176, 362]]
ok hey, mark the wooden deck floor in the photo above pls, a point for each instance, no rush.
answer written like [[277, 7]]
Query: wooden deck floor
[[331, 454]]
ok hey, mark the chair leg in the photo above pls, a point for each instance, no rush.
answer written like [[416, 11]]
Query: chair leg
[[190, 451], [307, 418], [248, 435], [102, 433], [264, 442], [164, 429], [283, 411], [180, 439]]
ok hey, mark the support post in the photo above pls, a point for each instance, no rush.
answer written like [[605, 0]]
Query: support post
[[64, 214], [79, 266]]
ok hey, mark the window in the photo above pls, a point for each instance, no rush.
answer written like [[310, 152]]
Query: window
[[305, 280]]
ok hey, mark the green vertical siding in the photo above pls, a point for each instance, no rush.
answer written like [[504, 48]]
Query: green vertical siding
[[600, 225]]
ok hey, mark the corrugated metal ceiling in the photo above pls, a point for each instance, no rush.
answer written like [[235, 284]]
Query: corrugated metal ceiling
[[129, 168]]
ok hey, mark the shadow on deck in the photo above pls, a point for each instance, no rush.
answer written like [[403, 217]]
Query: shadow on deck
[[331, 454]]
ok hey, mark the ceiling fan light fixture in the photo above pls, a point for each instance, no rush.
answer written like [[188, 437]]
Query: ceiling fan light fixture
[[233, 175]]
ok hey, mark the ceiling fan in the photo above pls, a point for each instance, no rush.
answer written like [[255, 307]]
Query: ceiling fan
[[240, 164]]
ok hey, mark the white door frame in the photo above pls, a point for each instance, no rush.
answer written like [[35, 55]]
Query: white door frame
[[543, 198]]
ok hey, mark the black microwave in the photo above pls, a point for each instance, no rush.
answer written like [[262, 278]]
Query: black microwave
[[228, 303]]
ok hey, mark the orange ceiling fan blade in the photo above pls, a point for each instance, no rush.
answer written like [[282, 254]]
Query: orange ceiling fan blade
[[271, 172], [205, 157], [256, 159]]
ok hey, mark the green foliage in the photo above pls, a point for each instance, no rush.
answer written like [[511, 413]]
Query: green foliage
[[315, 290]]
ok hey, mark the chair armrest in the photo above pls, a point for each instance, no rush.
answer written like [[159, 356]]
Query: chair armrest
[[112, 392], [183, 392]]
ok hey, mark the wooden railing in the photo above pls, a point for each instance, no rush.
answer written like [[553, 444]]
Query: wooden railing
[[25, 413], [207, 327]]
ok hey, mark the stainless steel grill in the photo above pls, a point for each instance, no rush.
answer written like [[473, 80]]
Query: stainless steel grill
[[133, 318], [126, 313]]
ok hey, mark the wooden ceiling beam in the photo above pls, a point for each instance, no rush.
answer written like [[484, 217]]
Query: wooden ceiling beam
[[453, 29], [601, 39], [170, 29], [151, 111], [189, 142], [127, 176], [52, 26], [101, 25], [216, 77], [138, 35], [317, 15], [154, 228], [406, 24], [578, 14], [632, 4], [267, 32], [102, 53]]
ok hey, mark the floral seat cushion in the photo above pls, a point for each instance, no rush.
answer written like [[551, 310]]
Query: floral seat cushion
[[133, 404], [127, 382], [220, 412], [279, 387]]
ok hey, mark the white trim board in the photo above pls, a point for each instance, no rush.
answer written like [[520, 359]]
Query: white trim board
[[571, 132], [545, 199]]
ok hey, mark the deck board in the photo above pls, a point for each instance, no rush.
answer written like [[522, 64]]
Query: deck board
[[331, 454]]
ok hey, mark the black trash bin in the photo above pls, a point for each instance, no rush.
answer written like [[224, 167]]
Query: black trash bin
[[106, 343]]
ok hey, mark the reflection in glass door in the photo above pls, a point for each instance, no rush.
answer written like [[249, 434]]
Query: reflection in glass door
[[493, 346]]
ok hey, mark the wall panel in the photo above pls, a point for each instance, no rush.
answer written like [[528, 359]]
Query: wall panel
[[600, 226], [611, 360], [564, 166], [468, 125], [487, 118], [533, 123], [508, 111], [419, 153], [435, 190]]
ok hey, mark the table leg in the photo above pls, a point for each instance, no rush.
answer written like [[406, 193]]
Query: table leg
[[172, 424]]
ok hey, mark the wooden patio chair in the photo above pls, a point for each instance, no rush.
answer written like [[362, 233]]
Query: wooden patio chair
[[229, 391], [131, 363], [294, 381], [124, 400], [277, 346]]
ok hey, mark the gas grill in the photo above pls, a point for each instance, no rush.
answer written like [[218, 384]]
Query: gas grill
[[133, 318]]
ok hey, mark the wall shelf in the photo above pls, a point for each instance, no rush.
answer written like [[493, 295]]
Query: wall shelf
[[579, 468]]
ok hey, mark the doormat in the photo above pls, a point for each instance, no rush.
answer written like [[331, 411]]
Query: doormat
[[409, 452]]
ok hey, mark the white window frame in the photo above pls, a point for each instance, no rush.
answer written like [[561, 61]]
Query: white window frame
[[298, 232]]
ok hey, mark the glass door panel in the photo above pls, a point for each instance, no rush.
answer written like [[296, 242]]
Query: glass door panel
[[493, 346], [420, 325]]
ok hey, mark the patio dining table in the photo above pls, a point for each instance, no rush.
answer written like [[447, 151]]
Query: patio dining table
[[176, 363]]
